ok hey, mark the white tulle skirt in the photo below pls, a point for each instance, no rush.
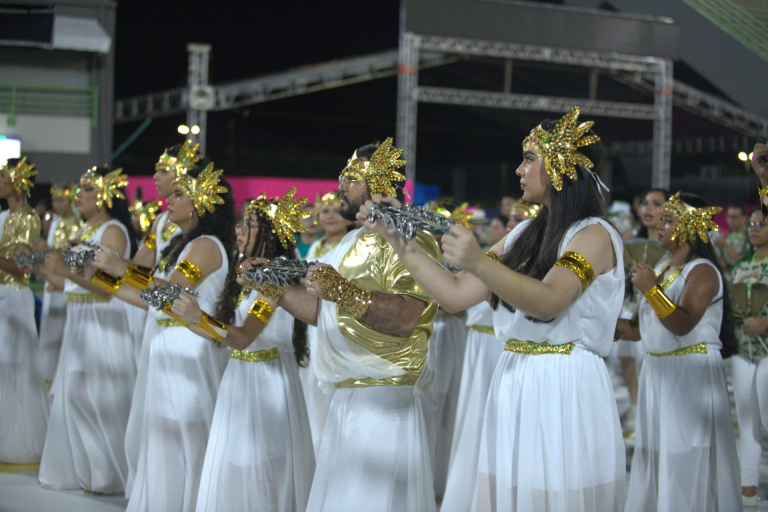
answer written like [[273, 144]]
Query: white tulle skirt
[[183, 377], [317, 402], [685, 449], [446, 348], [137, 319], [551, 439], [480, 360], [91, 401], [260, 455], [23, 398], [375, 453], [52, 320]]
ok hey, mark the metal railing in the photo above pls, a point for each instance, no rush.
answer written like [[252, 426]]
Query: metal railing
[[49, 100]]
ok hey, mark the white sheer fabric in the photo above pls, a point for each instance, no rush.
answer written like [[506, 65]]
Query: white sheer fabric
[[750, 392], [91, 395], [52, 320], [551, 437], [260, 454]]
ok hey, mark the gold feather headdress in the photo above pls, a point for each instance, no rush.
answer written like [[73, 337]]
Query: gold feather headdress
[[20, 175], [204, 190], [379, 172], [180, 164], [458, 214], [691, 222], [284, 215], [64, 191], [107, 187], [559, 149], [146, 212], [530, 210]]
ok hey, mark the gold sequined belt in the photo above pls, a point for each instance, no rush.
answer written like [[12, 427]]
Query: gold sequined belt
[[485, 329], [701, 348], [86, 298], [168, 322], [255, 357], [537, 349]]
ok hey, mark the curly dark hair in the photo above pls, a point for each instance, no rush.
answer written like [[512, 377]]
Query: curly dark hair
[[267, 245]]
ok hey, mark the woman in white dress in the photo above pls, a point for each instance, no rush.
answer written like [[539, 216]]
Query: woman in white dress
[[259, 454], [84, 447], [685, 449], [551, 437]]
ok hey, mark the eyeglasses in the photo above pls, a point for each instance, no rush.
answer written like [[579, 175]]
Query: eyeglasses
[[242, 227], [758, 224], [344, 181]]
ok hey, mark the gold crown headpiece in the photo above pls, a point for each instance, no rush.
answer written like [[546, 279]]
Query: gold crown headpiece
[[145, 212], [180, 164], [559, 149], [107, 187], [20, 175], [64, 191], [332, 197], [458, 214], [379, 172], [284, 215], [691, 222], [530, 210], [204, 190]]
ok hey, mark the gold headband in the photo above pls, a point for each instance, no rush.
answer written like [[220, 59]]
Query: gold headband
[[559, 149], [691, 222], [204, 190], [284, 215], [458, 214], [332, 197], [20, 175], [379, 172], [64, 191], [145, 212], [530, 210], [180, 164], [107, 187]]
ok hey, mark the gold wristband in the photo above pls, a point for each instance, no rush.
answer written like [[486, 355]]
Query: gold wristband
[[351, 298], [190, 271], [660, 303], [167, 311], [106, 282], [151, 241], [577, 264], [137, 277], [213, 327], [261, 310], [493, 256], [271, 291]]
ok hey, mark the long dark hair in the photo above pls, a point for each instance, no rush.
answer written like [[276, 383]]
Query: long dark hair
[[267, 245], [119, 211], [706, 250], [643, 231], [535, 253]]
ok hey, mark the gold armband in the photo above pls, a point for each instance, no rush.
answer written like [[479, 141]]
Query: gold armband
[[261, 310], [577, 264], [493, 256], [167, 311], [351, 298], [190, 271], [151, 241], [213, 327], [660, 303], [106, 282], [271, 291], [137, 277]]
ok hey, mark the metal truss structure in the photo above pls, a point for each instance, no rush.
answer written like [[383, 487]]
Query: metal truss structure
[[199, 92]]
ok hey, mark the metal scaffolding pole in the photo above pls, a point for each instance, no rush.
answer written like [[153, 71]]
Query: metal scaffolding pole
[[407, 100], [198, 91], [662, 126]]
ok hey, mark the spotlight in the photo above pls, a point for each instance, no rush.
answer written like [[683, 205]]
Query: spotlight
[[742, 156], [183, 129], [195, 130]]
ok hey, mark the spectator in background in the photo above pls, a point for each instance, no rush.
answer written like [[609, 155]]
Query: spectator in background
[[304, 240], [735, 245], [507, 203], [497, 229]]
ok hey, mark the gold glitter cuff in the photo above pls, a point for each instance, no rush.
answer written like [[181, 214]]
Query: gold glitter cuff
[[701, 348], [106, 282], [86, 298], [167, 311], [190, 271], [213, 327], [137, 277], [255, 357], [537, 349], [485, 329], [662, 306], [151, 241], [577, 264], [271, 291], [261, 310], [169, 322], [351, 298], [493, 256]]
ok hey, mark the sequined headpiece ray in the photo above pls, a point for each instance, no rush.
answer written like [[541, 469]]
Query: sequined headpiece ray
[[146, 212], [20, 175], [530, 210], [204, 190], [379, 172], [691, 222], [332, 197], [64, 191], [180, 164], [559, 149], [458, 214], [107, 187], [284, 215]]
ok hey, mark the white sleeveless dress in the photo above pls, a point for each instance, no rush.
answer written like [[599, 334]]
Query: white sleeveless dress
[[685, 449], [182, 381], [480, 358], [52, 319], [91, 394], [260, 454], [551, 438]]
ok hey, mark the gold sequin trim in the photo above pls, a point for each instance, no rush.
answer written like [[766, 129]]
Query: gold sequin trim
[[255, 357], [261, 310], [577, 264], [90, 231], [701, 348], [86, 298], [493, 256], [190, 271], [351, 298], [485, 329], [537, 349], [151, 241], [322, 251], [169, 230], [168, 322]]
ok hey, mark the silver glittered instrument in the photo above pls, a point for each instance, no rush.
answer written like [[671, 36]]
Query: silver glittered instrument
[[80, 254], [280, 272], [161, 296], [410, 219], [32, 259]]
